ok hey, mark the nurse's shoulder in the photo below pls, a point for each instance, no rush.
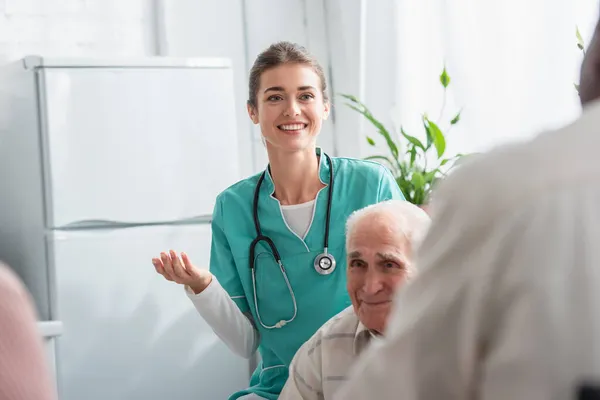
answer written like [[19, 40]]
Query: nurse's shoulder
[[366, 168], [240, 193], [365, 176]]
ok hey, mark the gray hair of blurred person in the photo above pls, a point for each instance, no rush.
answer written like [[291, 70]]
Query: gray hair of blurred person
[[410, 219]]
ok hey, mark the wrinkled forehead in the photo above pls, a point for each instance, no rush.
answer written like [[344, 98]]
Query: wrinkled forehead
[[378, 244], [376, 229]]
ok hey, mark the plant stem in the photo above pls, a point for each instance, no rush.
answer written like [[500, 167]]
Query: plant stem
[[443, 107]]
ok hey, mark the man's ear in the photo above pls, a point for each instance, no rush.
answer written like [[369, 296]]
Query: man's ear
[[252, 113]]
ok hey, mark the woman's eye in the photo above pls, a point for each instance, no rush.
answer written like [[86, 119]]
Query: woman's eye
[[274, 98], [307, 97]]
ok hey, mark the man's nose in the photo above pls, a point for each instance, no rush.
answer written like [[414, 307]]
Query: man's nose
[[292, 108], [373, 283]]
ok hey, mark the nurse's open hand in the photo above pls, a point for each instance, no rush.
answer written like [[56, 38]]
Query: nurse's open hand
[[181, 270]]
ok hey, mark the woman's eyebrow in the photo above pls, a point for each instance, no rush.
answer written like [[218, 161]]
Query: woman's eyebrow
[[274, 89], [280, 89]]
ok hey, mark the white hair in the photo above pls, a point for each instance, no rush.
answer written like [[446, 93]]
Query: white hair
[[410, 219]]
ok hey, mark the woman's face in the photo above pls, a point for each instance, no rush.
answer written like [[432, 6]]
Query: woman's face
[[289, 107]]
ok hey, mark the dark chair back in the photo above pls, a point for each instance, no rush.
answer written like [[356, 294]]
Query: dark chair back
[[588, 391]]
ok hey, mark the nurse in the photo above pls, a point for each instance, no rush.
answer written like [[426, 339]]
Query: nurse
[[277, 260]]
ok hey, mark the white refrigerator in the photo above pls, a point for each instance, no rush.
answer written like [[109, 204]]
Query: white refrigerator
[[103, 164]]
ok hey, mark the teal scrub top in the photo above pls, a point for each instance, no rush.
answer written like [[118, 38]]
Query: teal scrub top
[[357, 183]]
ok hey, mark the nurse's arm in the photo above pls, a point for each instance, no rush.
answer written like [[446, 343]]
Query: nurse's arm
[[223, 303], [305, 377], [225, 318]]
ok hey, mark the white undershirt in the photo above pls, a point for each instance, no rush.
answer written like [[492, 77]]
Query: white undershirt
[[298, 217], [234, 328]]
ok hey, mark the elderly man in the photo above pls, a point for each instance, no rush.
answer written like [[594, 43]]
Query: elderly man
[[380, 242], [507, 301]]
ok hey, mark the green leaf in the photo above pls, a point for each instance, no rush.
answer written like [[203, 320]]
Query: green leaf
[[350, 97], [371, 141], [412, 139], [580, 43], [405, 187], [413, 156], [427, 132], [430, 176], [445, 78], [455, 119], [576, 87], [403, 169], [362, 109], [439, 141], [418, 180]]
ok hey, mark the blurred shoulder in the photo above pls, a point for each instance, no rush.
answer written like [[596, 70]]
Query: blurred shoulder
[[492, 183], [11, 287]]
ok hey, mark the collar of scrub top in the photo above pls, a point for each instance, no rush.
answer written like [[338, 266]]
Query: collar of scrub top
[[324, 169]]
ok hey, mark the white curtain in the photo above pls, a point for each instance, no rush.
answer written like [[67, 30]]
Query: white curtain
[[512, 65]]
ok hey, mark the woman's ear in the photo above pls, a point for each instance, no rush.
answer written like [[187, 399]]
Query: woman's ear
[[326, 110], [252, 113]]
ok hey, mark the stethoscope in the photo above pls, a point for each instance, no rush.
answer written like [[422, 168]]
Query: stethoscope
[[324, 263]]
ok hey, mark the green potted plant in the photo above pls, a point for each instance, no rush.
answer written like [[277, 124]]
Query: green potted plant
[[580, 46], [417, 164]]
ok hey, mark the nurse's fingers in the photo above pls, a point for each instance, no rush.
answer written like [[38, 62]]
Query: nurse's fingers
[[178, 268], [159, 267], [167, 265], [189, 267]]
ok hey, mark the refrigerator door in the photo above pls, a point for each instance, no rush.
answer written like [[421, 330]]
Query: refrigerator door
[[128, 333], [136, 145]]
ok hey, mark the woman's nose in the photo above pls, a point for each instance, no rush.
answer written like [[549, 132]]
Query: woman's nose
[[292, 109]]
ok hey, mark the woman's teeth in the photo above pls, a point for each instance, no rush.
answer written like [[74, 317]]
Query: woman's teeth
[[293, 127]]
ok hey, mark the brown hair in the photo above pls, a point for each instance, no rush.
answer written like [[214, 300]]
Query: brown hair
[[282, 53]]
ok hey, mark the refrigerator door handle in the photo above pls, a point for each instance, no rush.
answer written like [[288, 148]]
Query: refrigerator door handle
[[50, 329], [105, 223]]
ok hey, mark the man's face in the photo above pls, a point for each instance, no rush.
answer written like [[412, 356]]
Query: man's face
[[378, 262], [589, 85]]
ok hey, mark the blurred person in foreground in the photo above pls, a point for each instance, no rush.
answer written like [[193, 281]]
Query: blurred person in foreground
[[506, 304], [24, 371], [380, 240]]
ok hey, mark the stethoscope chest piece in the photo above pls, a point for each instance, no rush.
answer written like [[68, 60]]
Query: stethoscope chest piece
[[324, 264]]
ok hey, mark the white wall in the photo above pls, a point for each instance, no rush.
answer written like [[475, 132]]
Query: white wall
[[75, 27], [237, 29], [359, 43], [240, 30], [511, 83]]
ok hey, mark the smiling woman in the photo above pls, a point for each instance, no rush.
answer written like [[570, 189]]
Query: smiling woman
[[277, 235]]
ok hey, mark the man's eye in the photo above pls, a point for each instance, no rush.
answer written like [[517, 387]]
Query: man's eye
[[357, 264]]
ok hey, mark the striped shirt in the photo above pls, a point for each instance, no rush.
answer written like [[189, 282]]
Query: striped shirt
[[321, 364]]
